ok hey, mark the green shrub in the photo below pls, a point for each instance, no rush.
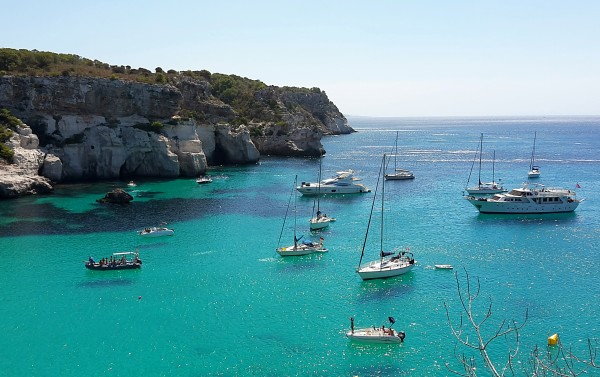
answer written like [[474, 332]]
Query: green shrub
[[9, 120], [160, 78], [239, 120], [6, 153], [256, 131], [5, 134]]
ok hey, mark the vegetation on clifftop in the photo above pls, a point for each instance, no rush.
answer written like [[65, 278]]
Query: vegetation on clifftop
[[248, 98], [8, 124]]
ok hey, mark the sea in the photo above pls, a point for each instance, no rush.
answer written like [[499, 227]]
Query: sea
[[215, 299]]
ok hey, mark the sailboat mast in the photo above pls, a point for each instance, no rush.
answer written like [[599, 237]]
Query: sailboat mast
[[396, 153], [533, 151], [381, 227], [287, 211], [381, 172], [494, 168], [295, 213], [319, 185], [480, 153]]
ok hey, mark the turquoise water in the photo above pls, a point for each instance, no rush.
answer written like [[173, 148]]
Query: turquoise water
[[216, 299]]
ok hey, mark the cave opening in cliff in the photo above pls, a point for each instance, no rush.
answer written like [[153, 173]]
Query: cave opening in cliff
[[219, 156]]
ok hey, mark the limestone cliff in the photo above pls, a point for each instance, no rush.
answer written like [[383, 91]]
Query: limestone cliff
[[106, 128], [21, 177]]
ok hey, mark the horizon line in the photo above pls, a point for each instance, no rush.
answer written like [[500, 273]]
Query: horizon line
[[471, 116]]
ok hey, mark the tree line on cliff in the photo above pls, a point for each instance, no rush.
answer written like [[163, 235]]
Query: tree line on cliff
[[249, 99]]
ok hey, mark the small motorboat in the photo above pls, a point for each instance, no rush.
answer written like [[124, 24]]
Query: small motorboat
[[118, 261], [374, 334], [131, 184], [156, 232], [443, 267], [203, 180]]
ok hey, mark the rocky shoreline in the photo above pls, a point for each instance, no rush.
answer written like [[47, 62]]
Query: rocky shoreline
[[82, 128]]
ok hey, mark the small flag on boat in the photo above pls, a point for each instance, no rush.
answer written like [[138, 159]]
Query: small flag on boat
[[392, 320], [577, 186]]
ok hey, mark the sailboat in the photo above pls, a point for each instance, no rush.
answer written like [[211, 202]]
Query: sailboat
[[398, 174], [298, 248], [388, 264], [534, 170], [320, 220], [482, 188]]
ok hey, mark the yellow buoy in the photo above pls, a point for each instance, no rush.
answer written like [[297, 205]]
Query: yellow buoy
[[553, 339]]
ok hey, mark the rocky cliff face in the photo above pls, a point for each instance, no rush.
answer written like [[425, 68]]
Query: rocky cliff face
[[98, 128], [22, 177]]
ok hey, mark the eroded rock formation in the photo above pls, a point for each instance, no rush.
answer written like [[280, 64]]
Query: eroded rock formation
[[82, 128]]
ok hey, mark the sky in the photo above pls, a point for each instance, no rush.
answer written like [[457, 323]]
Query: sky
[[419, 58]]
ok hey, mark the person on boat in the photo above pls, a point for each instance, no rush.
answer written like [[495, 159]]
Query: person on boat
[[352, 325], [91, 260]]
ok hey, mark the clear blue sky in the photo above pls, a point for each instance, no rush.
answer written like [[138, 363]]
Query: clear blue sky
[[373, 58]]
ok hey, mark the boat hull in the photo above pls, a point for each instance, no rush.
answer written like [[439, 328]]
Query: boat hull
[[375, 335], [399, 177], [291, 251], [314, 189], [316, 224], [385, 269], [156, 233], [108, 267]]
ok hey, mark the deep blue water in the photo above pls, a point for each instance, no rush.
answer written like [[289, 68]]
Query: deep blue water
[[216, 299]]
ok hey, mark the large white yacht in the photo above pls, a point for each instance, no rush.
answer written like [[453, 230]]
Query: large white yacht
[[342, 183], [538, 199]]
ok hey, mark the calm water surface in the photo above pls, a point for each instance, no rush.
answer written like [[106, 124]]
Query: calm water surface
[[216, 299]]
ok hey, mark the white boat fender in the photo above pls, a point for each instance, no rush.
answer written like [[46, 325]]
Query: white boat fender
[[401, 335]]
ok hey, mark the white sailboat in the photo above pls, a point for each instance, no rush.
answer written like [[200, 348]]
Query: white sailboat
[[398, 174], [388, 264], [320, 220], [534, 170], [298, 248], [483, 188]]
